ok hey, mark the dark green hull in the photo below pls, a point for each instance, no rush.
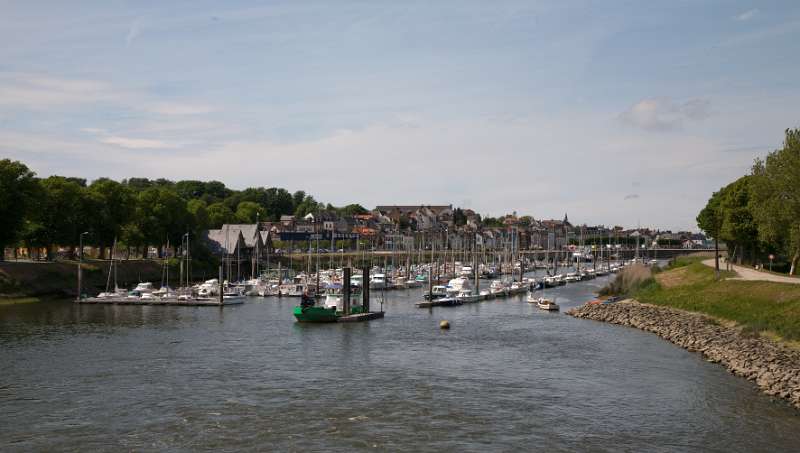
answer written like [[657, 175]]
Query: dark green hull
[[315, 314]]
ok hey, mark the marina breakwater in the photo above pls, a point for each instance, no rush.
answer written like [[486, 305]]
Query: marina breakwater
[[775, 368]]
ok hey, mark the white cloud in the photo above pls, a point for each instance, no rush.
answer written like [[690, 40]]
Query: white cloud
[[130, 143], [747, 15], [37, 92], [168, 108], [138, 143], [41, 92], [665, 114]]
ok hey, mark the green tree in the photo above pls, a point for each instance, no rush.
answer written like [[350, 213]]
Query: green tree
[[199, 212], [17, 191], [62, 213], [776, 197], [352, 209], [298, 198], [111, 205], [308, 206], [710, 220], [219, 214], [161, 216], [739, 229], [250, 212]]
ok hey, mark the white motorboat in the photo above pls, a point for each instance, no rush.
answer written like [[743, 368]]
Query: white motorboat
[[456, 285], [547, 304], [498, 288], [437, 292], [466, 296], [377, 281], [208, 288]]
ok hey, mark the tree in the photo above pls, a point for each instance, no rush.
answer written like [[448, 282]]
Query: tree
[[198, 210], [352, 209], [298, 198], [278, 202], [776, 197], [62, 213], [459, 219], [219, 214], [250, 212], [161, 216], [710, 220], [308, 206], [17, 191], [111, 205], [739, 229]]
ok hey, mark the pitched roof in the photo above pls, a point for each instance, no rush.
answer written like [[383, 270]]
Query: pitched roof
[[223, 241], [249, 232]]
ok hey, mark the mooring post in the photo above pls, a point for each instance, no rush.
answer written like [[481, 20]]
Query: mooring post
[[365, 290], [430, 282], [346, 290], [220, 284]]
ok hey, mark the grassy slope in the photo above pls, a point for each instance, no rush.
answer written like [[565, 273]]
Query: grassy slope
[[757, 306]]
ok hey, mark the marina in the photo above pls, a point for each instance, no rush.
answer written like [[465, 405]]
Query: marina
[[214, 378]]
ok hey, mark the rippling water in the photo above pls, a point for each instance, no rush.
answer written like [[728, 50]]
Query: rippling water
[[506, 377]]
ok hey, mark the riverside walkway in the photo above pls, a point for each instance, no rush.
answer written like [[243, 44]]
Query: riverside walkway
[[746, 273]]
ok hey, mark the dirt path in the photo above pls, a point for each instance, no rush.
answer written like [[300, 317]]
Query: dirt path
[[746, 273]]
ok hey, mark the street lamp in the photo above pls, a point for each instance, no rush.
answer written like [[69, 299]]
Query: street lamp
[[80, 262]]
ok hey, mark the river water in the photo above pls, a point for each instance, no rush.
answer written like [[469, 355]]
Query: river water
[[505, 377]]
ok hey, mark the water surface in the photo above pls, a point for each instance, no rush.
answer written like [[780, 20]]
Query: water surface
[[506, 377]]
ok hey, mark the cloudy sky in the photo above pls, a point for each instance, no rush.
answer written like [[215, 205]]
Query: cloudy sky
[[615, 112]]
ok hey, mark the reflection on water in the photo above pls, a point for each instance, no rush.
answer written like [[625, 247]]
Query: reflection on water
[[507, 376]]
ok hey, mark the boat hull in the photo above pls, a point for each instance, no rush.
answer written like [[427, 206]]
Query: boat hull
[[315, 314]]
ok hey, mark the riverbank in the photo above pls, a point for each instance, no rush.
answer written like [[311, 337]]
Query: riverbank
[[761, 307], [774, 367], [30, 280]]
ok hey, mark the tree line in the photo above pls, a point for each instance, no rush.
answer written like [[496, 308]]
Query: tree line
[[136, 212], [759, 213]]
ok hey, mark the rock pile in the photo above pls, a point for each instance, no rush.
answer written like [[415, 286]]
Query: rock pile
[[775, 368]]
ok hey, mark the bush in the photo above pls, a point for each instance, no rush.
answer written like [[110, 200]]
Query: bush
[[629, 280]]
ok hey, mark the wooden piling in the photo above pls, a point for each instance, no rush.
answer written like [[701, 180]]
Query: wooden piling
[[346, 290], [365, 289]]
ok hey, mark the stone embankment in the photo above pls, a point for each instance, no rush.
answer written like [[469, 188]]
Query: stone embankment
[[775, 368]]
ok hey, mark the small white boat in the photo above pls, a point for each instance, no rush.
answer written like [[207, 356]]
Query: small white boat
[[456, 285], [466, 296], [437, 292], [377, 281], [498, 288], [547, 304], [334, 297]]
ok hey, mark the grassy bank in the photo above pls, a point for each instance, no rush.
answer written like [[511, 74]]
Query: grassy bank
[[759, 307], [18, 300]]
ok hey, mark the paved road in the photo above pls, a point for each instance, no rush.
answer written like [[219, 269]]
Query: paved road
[[746, 273]]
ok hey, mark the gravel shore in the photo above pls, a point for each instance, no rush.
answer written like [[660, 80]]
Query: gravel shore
[[775, 368]]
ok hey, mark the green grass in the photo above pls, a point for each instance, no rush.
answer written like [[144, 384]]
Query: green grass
[[759, 307], [18, 300]]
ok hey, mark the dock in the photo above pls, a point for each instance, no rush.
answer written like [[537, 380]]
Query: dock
[[170, 302], [444, 302], [359, 317]]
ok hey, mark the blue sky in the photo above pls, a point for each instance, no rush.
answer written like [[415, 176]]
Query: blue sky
[[615, 112]]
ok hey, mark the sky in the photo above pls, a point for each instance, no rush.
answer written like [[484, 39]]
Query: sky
[[614, 112]]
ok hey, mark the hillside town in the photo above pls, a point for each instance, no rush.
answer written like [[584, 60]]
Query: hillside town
[[410, 227]]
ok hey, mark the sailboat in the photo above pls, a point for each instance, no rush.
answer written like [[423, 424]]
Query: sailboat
[[118, 292]]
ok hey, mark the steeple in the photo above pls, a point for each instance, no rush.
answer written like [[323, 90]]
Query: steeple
[[566, 220]]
